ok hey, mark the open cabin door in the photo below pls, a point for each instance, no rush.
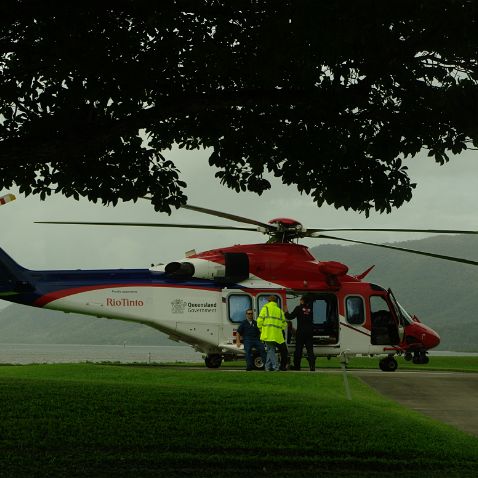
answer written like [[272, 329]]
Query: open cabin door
[[325, 318]]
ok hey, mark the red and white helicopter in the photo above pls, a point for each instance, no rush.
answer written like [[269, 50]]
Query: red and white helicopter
[[200, 299], [6, 198]]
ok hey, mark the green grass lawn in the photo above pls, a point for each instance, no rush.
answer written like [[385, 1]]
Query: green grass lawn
[[111, 420]]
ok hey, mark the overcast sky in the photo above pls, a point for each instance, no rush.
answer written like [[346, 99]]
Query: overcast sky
[[446, 197]]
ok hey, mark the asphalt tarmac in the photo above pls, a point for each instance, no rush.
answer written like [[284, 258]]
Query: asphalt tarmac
[[446, 396]]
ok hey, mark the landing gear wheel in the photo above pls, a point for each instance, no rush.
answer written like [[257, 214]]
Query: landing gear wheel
[[213, 361], [257, 362], [408, 356], [420, 358], [388, 364]]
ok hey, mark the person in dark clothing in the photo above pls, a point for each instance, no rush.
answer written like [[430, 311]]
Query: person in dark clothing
[[250, 334], [305, 332]]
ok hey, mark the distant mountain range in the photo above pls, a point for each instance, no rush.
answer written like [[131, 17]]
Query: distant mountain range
[[443, 294], [20, 324]]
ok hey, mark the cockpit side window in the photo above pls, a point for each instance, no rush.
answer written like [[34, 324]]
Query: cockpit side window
[[379, 307], [354, 307]]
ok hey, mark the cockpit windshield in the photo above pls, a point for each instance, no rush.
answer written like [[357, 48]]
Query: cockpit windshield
[[403, 316]]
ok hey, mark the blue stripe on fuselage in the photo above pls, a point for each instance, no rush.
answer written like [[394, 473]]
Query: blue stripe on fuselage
[[46, 283]]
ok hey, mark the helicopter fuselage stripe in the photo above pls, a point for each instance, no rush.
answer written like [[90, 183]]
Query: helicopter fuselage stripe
[[61, 293]]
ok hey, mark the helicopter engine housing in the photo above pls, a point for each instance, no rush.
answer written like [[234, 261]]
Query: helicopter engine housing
[[198, 268]]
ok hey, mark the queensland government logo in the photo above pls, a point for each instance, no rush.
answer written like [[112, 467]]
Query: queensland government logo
[[178, 306]]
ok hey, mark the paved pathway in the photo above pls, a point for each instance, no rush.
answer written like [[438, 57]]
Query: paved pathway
[[445, 396]]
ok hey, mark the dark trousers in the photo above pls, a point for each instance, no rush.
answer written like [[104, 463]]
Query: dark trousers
[[284, 354], [302, 340]]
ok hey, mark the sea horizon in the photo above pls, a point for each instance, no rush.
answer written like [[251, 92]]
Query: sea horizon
[[121, 353], [76, 353]]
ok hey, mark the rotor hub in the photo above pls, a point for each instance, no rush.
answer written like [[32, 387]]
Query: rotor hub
[[285, 229]]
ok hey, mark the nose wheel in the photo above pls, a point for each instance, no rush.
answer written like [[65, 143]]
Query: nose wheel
[[388, 364], [420, 358]]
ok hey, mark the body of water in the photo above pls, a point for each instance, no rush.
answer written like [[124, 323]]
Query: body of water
[[56, 353]]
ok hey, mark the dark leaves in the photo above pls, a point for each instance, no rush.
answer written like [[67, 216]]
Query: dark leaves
[[329, 96]]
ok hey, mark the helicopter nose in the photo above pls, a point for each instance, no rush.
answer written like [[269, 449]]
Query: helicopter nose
[[419, 333], [429, 338]]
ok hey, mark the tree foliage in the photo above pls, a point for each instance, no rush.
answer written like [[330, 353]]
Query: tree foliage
[[328, 96]]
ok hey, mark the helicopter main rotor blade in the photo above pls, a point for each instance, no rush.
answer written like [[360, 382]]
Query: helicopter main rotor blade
[[412, 251], [148, 224], [225, 215], [431, 231]]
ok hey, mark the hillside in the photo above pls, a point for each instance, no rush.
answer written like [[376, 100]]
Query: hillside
[[21, 324], [440, 293]]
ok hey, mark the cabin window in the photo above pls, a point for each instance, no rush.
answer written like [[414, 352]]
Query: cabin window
[[355, 310], [237, 306], [264, 298]]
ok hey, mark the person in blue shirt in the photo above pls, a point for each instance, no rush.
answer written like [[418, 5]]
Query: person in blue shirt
[[250, 334]]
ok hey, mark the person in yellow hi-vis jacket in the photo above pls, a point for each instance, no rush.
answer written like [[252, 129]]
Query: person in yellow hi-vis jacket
[[271, 322]]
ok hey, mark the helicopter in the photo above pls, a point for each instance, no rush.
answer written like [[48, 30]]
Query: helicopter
[[201, 298], [7, 198]]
